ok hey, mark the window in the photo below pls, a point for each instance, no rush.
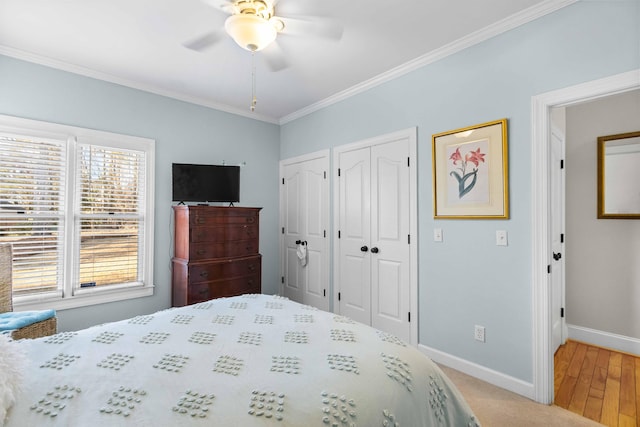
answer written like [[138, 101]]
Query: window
[[77, 206]]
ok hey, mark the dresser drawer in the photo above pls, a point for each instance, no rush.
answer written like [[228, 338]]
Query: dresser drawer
[[230, 249], [215, 270], [223, 216], [224, 233], [224, 288]]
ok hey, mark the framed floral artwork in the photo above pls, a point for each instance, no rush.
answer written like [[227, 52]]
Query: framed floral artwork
[[470, 172]]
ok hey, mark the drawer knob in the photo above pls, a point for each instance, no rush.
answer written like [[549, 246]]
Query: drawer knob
[[251, 220], [204, 274], [204, 291], [202, 251], [252, 267], [200, 221]]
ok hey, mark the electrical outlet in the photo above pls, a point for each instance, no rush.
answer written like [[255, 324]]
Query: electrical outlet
[[479, 333]]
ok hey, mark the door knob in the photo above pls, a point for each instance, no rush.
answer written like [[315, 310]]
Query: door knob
[[556, 256], [374, 250], [364, 249]]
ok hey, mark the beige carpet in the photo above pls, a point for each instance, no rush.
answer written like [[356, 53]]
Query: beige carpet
[[496, 407]]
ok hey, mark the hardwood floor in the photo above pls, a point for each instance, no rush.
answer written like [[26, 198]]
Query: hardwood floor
[[600, 384]]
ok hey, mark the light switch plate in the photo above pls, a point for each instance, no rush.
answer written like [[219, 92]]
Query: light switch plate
[[437, 234], [501, 238]]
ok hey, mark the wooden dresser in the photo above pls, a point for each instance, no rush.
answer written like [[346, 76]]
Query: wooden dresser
[[216, 253]]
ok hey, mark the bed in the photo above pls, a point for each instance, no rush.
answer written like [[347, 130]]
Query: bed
[[250, 360]]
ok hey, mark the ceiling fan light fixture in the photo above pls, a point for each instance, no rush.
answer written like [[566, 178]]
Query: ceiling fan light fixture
[[251, 32]]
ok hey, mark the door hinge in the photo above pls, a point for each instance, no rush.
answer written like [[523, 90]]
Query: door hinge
[[324, 233], [324, 292], [282, 181], [408, 162], [325, 174], [338, 234], [549, 268], [409, 316], [282, 279], [408, 239], [562, 238], [339, 296], [338, 171], [282, 230], [562, 164], [562, 312]]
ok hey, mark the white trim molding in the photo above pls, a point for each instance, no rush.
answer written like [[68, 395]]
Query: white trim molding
[[532, 13], [540, 216], [496, 378], [509, 23], [604, 339]]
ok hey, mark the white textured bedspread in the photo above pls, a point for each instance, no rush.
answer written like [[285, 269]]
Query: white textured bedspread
[[253, 360]]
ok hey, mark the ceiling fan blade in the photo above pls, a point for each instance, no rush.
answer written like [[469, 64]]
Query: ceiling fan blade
[[204, 41], [312, 26], [225, 6], [275, 57]]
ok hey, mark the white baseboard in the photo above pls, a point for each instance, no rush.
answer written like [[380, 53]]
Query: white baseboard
[[604, 339], [496, 378]]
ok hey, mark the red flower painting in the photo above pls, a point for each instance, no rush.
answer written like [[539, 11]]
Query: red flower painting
[[461, 175]]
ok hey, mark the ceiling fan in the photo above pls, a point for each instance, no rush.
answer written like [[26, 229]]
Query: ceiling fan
[[254, 25]]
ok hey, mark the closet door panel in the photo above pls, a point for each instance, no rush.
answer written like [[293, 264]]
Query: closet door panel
[[390, 238], [355, 235]]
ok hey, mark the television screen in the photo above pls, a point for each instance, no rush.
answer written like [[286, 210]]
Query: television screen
[[205, 183]]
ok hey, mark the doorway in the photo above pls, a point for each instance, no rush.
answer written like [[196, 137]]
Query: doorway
[[543, 370]]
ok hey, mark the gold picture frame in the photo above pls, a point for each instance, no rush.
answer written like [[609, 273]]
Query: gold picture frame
[[618, 176], [470, 172]]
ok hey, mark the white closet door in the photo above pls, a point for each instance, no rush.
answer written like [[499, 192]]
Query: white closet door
[[316, 223], [375, 271], [354, 269], [292, 208], [390, 305], [304, 218]]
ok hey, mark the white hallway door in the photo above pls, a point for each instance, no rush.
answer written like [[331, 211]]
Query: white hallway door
[[373, 269], [304, 219], [559, 331]]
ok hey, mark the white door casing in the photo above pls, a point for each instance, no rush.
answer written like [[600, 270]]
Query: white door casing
[[540, 230], [375, 207], [304, 217]]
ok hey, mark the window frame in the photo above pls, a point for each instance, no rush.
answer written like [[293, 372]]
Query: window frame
[[71, 297]]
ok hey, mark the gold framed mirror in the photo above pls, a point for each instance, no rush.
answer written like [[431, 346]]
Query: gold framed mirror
[[619, 176]]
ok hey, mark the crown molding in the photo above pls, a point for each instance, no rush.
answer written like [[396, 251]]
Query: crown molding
[[541, 9], [88, 72], [502, 26]]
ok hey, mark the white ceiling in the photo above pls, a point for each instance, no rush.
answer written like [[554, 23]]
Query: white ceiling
[[140, 43]]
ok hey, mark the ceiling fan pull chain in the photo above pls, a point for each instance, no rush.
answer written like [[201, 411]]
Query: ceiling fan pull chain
[[253, 82]]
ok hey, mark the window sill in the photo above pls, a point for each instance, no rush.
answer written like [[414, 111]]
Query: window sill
[[83, 299]]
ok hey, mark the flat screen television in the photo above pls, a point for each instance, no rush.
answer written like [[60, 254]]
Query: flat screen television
[[205, 183]]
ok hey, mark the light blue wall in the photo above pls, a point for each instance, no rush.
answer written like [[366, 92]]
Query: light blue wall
[[467, 279], [183, 133]]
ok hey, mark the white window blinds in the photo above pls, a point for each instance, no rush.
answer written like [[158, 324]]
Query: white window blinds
[[32, 200], [110, 221], [77, 206]]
